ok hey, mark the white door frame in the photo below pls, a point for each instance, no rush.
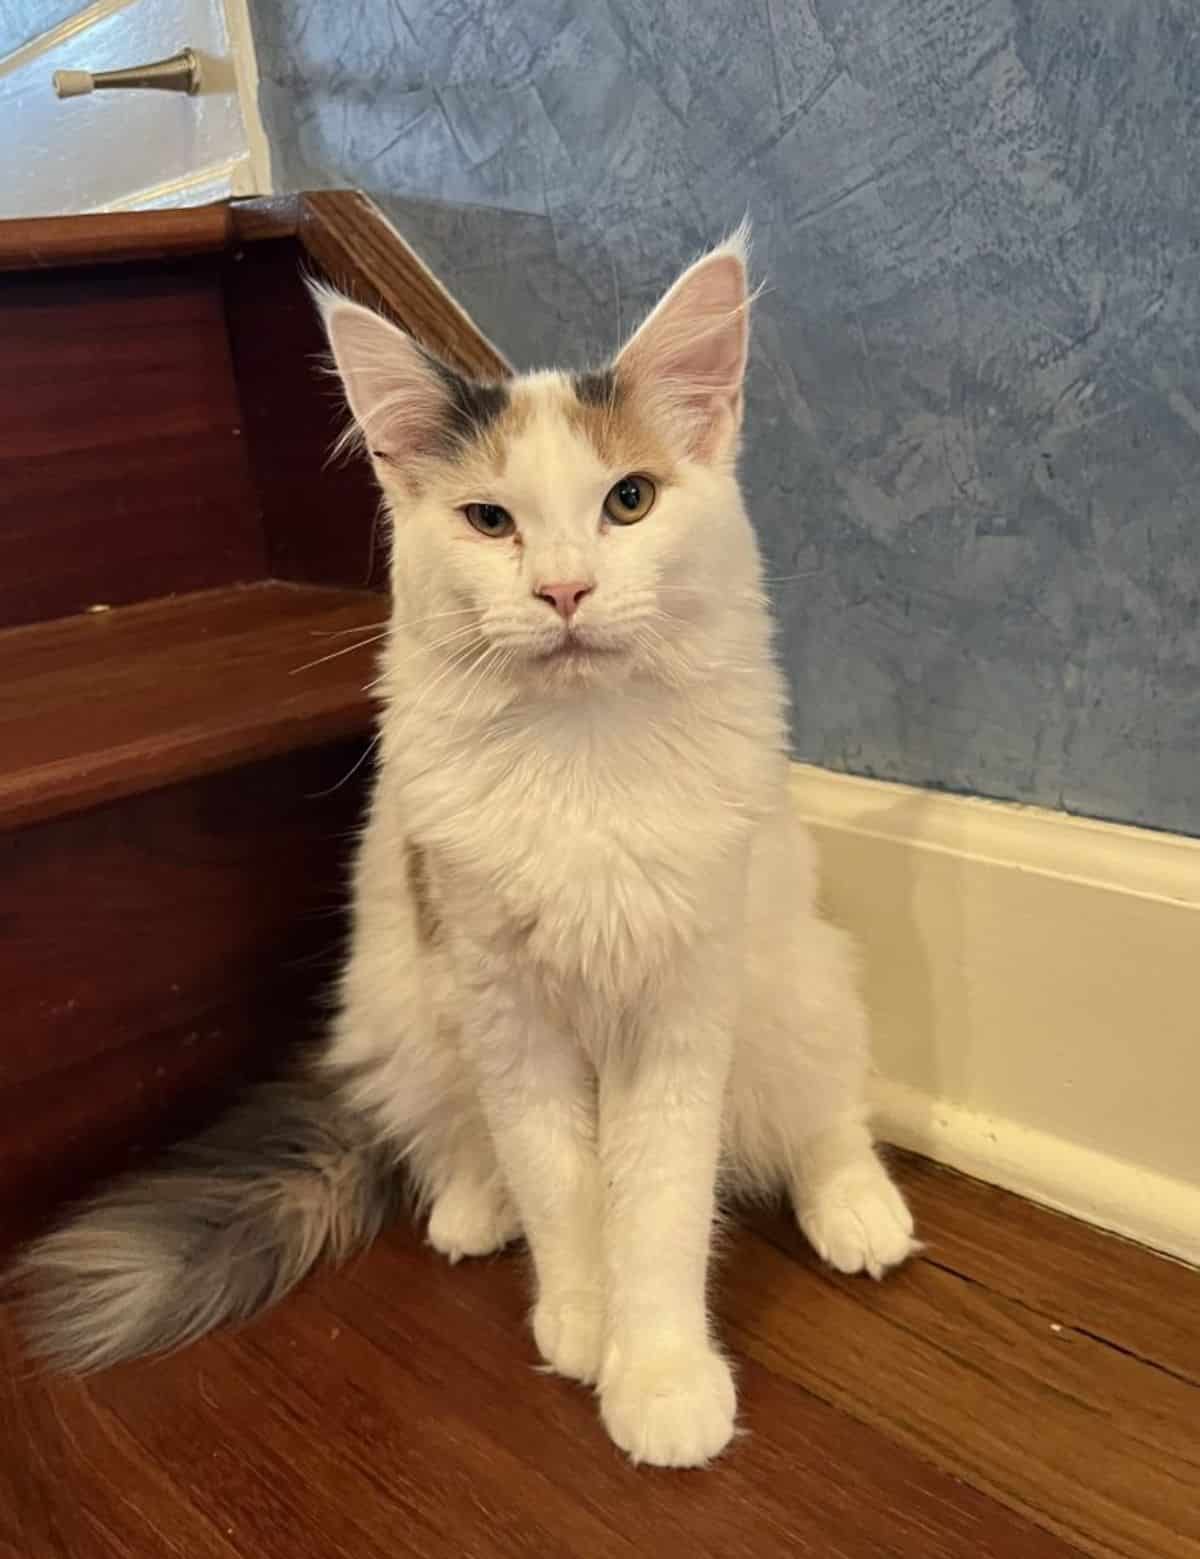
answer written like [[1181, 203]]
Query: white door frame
[[244, 166]]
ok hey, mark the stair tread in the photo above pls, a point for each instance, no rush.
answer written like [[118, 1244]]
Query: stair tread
[[112, 703]]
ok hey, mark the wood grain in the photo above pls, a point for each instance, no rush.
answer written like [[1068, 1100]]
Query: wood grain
[[804, 1480], [264, 216], [155, 951], [97, 707], [147, 914], [1074, 1275], [392, 1408], [320, 516], [123, 467], [1100, 1447], [438, 1440], [33, 243], [167, 427], [79, 1487], [359, 250], [64, 1132]]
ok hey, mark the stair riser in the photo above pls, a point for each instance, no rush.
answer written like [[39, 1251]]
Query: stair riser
[[124, 472], [165, 428], [65, 1132], [128, 927]]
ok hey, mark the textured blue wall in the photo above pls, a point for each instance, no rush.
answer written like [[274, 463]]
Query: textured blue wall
[[974, 429]]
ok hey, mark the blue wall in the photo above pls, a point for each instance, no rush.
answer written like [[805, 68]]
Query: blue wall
[[974, 435]]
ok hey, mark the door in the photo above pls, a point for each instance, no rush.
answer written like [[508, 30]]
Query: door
[[133, 147]]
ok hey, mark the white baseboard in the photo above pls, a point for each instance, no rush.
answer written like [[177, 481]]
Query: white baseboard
[[1125, 1198], [1032, 980]]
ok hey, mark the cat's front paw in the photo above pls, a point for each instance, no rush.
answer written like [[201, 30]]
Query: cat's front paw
[[857, 1221], [675, 1409], [569, 1331], [469, 1219]]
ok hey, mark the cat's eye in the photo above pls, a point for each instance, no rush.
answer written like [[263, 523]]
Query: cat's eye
[[630, 500], [489, 519]]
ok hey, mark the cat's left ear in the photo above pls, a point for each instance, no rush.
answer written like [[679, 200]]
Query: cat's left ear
[[688, 360]]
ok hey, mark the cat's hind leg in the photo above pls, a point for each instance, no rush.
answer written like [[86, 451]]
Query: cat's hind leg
[[396, 1044], [471, 1212], [796, 1108], [423, 1099], [850, 1211]]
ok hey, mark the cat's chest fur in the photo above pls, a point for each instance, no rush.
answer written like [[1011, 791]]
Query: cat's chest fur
[[595, 847]]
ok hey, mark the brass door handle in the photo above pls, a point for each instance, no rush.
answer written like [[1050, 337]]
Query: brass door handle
[[181, 73]]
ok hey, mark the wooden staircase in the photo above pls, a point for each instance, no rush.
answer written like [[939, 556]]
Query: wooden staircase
[[188, 589]]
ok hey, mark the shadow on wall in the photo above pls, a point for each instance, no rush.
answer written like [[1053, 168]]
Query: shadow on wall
[[920, 1005]]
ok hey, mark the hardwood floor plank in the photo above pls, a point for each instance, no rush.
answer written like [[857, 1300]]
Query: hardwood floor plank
[[74, 1486], [805, 1480], [430, 1442], [236, 1454], [1077, 1275], [357, 1453], [394, 1409], [1096, 1445]]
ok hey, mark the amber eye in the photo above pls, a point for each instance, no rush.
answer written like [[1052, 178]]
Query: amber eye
[[489, 519], [630, 500]]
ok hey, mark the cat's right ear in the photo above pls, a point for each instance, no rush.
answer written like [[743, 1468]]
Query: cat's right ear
[[400, 397], [688, 359]]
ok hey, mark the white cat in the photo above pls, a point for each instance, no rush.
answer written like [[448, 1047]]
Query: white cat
[[588, 979]]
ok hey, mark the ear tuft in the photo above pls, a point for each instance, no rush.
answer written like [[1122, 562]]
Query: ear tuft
[[688, 360], [738, 243]]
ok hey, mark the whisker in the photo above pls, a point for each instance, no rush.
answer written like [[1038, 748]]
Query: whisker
[[671, 661], [455, 660], [438, 644], [320, 795], [722, 595], [407, 622], [479, 673], [347, 649], [341, 633], [413, 622]]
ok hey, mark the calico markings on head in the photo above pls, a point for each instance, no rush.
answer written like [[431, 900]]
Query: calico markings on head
[[584, 525]]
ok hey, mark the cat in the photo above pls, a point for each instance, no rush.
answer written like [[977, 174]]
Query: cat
[[588, 982]]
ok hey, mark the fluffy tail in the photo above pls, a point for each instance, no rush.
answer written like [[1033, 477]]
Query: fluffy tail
[[224, 1225]]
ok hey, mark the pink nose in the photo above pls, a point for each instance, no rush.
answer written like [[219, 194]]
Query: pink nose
[[564, 596]]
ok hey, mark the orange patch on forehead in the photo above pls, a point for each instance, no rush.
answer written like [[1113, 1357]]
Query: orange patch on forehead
[[601, 408]]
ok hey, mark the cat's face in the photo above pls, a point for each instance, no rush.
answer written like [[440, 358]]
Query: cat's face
[[571, 527]]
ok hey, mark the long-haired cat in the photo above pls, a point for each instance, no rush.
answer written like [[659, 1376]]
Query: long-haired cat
[[588, 984]]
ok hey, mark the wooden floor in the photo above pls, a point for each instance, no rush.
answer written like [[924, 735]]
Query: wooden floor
[[1028, 1388]]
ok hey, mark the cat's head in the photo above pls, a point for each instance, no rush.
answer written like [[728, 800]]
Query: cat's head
[[581, 525]]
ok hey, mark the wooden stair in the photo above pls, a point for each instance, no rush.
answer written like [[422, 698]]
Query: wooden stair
[[189, 592], [110, 704]]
